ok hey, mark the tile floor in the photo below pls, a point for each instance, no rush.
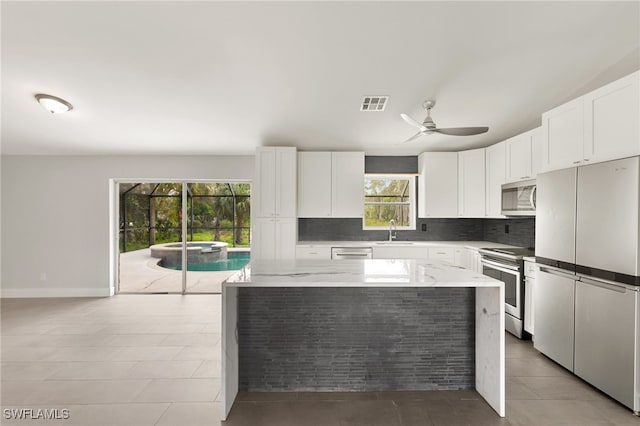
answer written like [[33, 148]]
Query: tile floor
[[155, 360]]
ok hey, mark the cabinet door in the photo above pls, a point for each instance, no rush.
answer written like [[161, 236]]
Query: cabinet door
[[263, 239], [264, 185], [323, 252], [438, 184], [554, 312], [536, 151], [460, 257], [314, 184], [347, 184], [395, 252], [519, 158], [529, 304], [286, 182], [495, 177], [471, 185], [285, 238], [612, 120], [444, 254], [563, 136]]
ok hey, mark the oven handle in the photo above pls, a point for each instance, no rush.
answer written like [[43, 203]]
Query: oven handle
[[499, 266]]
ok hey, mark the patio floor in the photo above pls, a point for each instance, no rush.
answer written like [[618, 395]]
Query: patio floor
[[139, 273]]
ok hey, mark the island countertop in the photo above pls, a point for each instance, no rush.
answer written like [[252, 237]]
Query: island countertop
[[357, 273]]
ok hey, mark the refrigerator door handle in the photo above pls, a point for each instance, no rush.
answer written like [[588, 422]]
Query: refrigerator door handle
[[603, 284], [558, 273]]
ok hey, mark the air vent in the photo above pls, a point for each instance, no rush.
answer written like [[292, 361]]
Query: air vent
[[374, 103]]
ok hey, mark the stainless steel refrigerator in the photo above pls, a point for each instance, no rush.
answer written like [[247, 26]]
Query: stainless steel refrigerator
[[587, 289]]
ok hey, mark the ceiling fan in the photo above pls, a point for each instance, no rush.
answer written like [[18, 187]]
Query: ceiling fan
[[428, 127]]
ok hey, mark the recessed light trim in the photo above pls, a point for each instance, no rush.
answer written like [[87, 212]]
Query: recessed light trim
[[53, 104], [374, 103]]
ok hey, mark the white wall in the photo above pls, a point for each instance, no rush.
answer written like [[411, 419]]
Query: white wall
[[55, 215]]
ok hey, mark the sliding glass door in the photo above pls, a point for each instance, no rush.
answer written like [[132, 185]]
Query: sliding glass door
[[163, 226]]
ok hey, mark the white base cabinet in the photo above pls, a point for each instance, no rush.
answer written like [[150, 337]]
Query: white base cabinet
[[529, 303], [313, 252], [274, 238], [400, 252]]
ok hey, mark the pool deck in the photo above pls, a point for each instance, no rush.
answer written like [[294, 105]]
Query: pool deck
[[139, 273]]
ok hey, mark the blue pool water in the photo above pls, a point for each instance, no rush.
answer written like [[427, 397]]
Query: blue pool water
[[235, 261]]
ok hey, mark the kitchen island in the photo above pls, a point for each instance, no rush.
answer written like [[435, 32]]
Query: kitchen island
[[362, 325]]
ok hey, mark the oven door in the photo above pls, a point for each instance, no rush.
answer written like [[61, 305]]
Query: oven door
[[511, 277]]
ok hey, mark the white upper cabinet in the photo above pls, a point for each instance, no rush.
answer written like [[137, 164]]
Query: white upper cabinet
[[314, 188], [438, 184], [331, 184], [599, 126], [536, 151], [274, 189], [495, 163], [563, 135], [347, 184], [471, 183], [523, 156], [612, 120]]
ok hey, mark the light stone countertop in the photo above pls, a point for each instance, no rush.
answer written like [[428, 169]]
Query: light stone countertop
[[357, 273], [465, 244]]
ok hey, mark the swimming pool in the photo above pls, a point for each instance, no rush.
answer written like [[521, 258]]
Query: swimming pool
[[235, 260]]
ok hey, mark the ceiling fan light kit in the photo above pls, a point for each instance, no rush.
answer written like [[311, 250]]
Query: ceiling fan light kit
[[428, 126], [53, 104]]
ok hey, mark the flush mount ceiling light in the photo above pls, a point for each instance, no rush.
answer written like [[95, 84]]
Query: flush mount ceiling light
[[53, 104]]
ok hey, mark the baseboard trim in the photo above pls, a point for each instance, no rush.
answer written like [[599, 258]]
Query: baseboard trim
[[15, 293]]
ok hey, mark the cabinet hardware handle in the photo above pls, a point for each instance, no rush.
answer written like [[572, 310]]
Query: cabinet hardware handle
[[524, 177], [576, 162], [586, 159]]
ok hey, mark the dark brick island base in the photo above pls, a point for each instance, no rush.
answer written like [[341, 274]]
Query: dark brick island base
[[356, 339]]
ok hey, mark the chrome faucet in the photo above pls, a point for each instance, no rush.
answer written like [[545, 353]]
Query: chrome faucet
[[392, 230]]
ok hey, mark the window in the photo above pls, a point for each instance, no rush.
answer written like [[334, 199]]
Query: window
[[389, 197]]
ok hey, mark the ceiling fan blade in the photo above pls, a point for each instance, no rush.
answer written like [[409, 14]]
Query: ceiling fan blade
[[413, 122], [416, 136], [462, 131]]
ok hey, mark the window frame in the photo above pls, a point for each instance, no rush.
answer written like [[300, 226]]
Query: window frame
[[411, 203]]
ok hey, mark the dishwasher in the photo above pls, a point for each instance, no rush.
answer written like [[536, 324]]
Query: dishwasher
[[345, 253]]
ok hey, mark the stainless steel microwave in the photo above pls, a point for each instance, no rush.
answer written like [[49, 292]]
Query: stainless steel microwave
[[519, 198]]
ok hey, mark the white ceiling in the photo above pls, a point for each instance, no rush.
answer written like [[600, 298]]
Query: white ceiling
[[225, 77]]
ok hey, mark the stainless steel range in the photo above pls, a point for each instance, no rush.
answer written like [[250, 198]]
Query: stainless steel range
[[507, 265]]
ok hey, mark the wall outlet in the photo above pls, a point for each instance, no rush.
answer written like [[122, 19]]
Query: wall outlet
[[506, 229], [43, 276], [423, 227]]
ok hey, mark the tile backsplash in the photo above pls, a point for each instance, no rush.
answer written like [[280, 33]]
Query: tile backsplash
[[521, 231]]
